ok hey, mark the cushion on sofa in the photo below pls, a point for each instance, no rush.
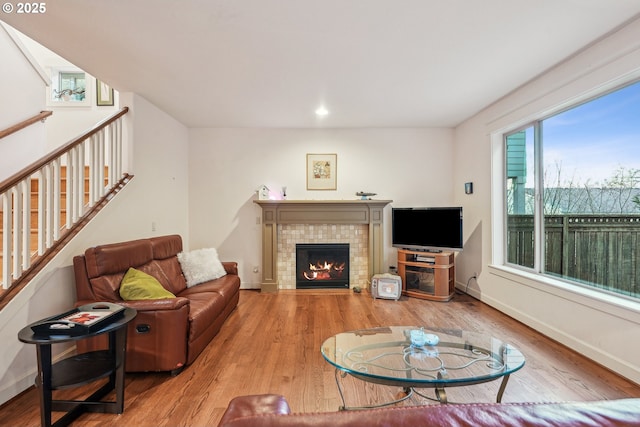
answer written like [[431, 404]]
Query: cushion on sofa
[[205, 307], [224, 286], [173, 272], [138, 285], [116, 258], [107, 287], [164, 247], [165, 251], [201, 265]]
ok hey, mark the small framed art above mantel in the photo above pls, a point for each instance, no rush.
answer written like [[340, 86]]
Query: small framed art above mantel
[[322, 171]]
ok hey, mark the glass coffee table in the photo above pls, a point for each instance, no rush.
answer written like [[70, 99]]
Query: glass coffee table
[[418, 358]]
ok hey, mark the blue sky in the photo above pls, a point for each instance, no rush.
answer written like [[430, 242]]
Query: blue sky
[[592, 140]]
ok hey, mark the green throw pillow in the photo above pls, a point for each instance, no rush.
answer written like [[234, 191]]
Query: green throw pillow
[[137, 285]]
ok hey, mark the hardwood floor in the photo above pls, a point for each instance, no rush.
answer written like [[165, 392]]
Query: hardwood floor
[[271, 344]]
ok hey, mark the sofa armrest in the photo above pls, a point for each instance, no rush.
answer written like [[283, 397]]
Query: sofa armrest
[[166, 304], [231, 267], [157, 337], [251, 412], [244, 406], [148, 305]]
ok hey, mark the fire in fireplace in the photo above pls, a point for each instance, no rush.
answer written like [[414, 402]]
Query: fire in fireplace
[[322, 265]]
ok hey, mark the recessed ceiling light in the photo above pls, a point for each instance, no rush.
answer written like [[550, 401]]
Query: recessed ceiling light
[[322, 111]]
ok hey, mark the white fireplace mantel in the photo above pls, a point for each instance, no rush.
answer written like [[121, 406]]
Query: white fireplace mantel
[[276, 212]]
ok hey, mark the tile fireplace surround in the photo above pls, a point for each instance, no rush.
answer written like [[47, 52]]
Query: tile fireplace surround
[[276, 213]]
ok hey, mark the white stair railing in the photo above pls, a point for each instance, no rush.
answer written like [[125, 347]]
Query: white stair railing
[[31, 230]]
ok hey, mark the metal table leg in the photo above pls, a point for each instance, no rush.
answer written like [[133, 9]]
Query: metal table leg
[[407, 391]]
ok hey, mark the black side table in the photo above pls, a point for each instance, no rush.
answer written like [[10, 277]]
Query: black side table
[[79, 370]]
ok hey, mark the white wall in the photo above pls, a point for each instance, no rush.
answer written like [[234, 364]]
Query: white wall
[[24, 95], [157, 193], [67, 122], [22, 98], [412, 167], [606, 331]]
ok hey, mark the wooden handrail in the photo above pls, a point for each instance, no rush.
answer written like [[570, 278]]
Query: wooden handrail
[[94, 158], [40, 261], [41, 117], [29, 170]]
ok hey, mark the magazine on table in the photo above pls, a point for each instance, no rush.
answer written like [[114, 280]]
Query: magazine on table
[[87, 318], [83, 319]]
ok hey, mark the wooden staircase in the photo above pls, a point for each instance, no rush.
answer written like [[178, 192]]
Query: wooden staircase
[[34, 214], [35, 200]]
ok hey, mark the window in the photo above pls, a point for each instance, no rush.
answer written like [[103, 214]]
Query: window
[[573, 194], [68, 88]]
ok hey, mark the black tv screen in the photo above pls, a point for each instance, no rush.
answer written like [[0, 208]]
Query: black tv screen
[[427, 228]]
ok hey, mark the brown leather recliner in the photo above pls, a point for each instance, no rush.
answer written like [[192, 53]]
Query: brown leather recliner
[[167, 334]]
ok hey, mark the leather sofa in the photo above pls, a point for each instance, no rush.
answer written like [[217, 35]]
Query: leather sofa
[[167, 334], [273, 410]]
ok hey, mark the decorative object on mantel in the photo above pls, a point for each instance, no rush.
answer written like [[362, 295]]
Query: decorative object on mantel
[[321, 171], [263, 192], [365, 196]]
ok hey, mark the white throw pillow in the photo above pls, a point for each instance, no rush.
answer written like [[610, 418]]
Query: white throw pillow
[[200, 265]]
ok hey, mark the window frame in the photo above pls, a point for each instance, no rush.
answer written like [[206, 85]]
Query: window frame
[[55, 73], [537, 275]]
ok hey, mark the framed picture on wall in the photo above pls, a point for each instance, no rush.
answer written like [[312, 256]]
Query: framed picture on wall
[[321, 171], [104, 94]]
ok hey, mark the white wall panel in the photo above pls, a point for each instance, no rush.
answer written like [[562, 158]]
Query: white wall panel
[[606, 330], [412, 167]]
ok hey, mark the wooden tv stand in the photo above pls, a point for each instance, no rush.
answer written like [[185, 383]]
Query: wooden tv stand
[[427, 275]]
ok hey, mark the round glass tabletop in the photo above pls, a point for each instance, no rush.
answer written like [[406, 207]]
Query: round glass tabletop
[[413, 356]]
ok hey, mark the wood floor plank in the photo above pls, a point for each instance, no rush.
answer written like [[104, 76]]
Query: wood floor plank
[[271, 344]]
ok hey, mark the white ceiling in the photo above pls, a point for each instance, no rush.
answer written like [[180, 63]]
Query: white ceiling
[[271, 63]]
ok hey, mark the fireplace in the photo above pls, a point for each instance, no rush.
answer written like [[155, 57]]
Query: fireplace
[[322, 265], [287, 222]]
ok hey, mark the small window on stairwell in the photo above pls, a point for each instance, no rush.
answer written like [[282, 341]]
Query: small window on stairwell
[[68, 88]]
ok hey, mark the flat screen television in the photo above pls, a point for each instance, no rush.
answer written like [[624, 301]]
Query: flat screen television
[[427, 228]]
